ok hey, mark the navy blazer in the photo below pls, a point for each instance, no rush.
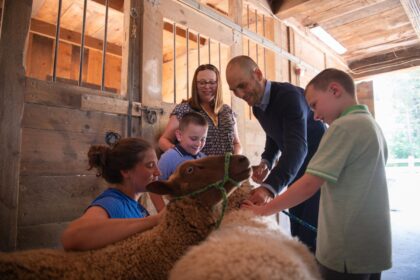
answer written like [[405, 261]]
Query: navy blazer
[[291, 131]]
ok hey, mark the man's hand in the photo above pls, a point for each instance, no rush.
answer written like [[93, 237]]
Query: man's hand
[[259, 172], [260, 196]]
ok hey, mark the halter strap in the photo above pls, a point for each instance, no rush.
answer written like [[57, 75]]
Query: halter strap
[[217, 185]]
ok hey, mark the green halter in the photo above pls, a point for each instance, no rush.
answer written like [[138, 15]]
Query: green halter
[[218, 185]]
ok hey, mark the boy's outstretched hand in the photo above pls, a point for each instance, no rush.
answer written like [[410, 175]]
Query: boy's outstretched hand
[[258, 210]]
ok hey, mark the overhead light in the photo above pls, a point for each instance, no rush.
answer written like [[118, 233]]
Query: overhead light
[[325, 37]]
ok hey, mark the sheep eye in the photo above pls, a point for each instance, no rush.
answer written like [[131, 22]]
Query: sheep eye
[[190, 170]]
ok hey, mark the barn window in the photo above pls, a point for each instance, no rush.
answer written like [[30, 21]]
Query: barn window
[[184, 50], [89, 49]]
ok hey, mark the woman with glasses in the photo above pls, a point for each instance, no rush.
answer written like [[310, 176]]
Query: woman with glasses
[[207, 99]]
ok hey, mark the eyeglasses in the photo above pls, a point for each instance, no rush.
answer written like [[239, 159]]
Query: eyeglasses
[[203, 83]]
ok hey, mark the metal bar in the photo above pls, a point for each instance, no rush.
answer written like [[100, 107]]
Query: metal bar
[[104, 45], [247, 33], [198, 48], [256, 31], [220, 58], [247, 19], [264, 54], [209, 50], [82, 46], [174, 46], [187, 35], [57, 39]]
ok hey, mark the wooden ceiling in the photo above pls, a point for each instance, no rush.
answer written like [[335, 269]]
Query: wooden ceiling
[[377, 34]]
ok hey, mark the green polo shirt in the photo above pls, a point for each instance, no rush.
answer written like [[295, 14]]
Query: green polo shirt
[[354, 231]]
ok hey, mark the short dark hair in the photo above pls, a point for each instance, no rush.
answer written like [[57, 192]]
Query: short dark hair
[[192, 117], [111, 160], [325, 77]]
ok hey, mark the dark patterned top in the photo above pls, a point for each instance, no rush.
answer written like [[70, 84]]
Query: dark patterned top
[[219, 138]]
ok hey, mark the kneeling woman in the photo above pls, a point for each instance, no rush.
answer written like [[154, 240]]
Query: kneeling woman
[[114, 215]]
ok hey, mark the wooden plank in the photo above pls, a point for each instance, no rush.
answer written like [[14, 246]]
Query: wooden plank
[[54, 98], [308, 52], [48, 152], [359, 14], [40, 236], [94, 67], [365, 95], [108, 104], [69, 96], [392, 19], [395, 60], [48, 30], [380, 49], [64, 60], [39, 116], [40, 57], [15, 25], [56, 199], [149, 53], [289, 6], [179, 13]]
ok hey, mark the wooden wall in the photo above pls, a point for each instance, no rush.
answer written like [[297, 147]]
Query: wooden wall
[[60, 122]]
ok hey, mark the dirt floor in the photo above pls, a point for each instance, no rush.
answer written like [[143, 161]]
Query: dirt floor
[[404, 190]]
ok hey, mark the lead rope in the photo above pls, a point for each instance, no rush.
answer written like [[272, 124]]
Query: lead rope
[[217, 185]]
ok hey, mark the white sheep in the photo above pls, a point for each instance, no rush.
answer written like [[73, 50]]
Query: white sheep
[[147, 255], [247, 247]]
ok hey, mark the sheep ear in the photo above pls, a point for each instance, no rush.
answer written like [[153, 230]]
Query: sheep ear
[[159, 187]]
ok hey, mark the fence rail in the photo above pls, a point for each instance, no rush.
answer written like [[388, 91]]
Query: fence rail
[[407, 162]]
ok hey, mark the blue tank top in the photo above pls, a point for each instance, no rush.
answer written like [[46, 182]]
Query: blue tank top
[[119, 205]]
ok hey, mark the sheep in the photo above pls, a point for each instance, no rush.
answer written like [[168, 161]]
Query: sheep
[[151, 254], [247, 247]]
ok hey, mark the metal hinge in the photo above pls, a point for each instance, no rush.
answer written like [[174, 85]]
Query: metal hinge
[[154, 2], [150, 113]]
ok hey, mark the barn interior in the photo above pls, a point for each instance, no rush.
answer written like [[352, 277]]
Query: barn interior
[[73, 70]]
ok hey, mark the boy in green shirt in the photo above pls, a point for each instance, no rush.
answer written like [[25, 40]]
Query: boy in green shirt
[[354, 232]]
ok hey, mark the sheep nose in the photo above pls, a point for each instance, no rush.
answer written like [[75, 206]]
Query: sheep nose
[[242, 159]]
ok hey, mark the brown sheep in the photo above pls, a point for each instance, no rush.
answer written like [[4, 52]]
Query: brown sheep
[[151, 254]]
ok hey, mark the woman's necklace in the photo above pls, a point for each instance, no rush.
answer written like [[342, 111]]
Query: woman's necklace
[[211, 115]]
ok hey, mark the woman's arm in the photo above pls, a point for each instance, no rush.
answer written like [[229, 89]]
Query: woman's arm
[[96, 230], [237, 147], [167, 140], [157, 201]]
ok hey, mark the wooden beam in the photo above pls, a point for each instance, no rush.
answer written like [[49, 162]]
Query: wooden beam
[[149, 62], [360, 14], [181, 14], [288, 7], [48, 30], [113, 4], [16, 18], [412, 9], [395, 60]]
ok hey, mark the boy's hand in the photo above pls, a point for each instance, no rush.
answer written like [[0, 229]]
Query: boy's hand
[[248, 205], [260, 196], [259, 172]]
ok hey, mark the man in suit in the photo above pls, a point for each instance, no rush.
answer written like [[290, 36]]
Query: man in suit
[[292, 137]]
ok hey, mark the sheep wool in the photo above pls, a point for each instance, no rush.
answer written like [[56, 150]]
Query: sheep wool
[[147, 255], [247, 247]]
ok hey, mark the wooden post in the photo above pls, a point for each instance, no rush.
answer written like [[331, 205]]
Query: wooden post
[[235, 12], [151, 61], [16, 18]]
